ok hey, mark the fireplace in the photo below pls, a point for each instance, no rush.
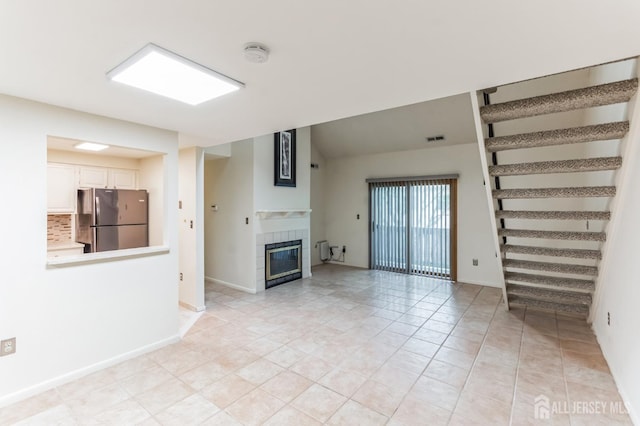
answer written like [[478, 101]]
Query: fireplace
[[283, 262]]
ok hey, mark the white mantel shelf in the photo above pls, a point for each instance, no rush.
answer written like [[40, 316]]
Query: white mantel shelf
[[283, 213]]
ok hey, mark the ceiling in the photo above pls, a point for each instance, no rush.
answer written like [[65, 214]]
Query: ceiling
[[330, 59], [398, 129]]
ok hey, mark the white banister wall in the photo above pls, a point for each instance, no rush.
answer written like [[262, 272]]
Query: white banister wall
[[618, 288]]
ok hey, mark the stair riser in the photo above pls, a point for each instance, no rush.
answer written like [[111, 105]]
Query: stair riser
[[552, 215], [550, 287], [600, 132], [580, 311], [555, 268], [565, 298], [606, 94], [571, 284], [581, 192], [543, 251], [549, 167], [550, 235]]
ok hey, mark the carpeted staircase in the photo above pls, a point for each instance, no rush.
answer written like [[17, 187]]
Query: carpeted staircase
[[546, 268]]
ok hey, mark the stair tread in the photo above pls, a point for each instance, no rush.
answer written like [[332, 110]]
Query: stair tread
[[568, 192], [551, 214], [598, 132], [559, 166], [555, 252], [553, 235], [581, 310], [562, 268], [552, 281], [557, 296], [604, 94]]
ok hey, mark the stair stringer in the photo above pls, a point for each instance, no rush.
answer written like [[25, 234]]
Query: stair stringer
[[630, 152], [488, 187]]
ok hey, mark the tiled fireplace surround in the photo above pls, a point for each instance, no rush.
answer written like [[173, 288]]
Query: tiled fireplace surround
[[279, 237]]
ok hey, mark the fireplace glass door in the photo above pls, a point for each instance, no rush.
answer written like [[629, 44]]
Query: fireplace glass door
[[283, 262]]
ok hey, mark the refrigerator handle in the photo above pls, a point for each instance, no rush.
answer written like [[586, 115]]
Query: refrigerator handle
[[97, 210]]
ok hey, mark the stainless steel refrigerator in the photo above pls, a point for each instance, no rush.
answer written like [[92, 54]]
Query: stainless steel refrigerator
[[112, 219]]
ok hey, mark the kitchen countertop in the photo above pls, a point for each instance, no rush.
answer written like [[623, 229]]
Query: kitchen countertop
[[63, 245]]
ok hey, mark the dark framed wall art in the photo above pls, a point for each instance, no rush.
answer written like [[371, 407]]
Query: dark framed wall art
[[284, 172]]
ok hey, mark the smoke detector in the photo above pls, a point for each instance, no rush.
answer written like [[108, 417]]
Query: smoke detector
[[256, 53]]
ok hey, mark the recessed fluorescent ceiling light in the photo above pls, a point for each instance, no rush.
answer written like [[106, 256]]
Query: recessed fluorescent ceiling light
[[164, 73], [89, 146]]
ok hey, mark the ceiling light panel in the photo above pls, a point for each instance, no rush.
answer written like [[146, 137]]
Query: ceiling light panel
[[162, 72], [90, 146]]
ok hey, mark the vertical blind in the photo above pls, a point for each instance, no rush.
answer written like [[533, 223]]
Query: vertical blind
[[413, 225]]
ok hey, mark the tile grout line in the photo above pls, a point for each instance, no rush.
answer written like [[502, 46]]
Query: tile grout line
[[475, 360], [515, 384]]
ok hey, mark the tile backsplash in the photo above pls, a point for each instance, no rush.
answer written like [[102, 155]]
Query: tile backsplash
[[58, 228]]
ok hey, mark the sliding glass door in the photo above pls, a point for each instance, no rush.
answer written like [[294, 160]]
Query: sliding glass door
[[413, 226], [388, 215]]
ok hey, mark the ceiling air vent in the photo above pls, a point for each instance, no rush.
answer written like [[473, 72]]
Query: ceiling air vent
[[435, 138]]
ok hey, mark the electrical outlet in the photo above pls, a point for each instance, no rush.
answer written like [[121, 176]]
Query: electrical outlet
[[608, 318], [8, 347], [181, 276], [475, 262]]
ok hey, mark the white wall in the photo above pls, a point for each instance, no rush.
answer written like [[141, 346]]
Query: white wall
[[75, 319], [618, 286], [229, 241], [347, 196], [268, 196], [318, 230], [191, 227]]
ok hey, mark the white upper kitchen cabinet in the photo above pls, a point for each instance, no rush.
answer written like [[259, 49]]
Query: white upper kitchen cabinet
[[61, 188], [123, 179], [94, 177], [103, 177]]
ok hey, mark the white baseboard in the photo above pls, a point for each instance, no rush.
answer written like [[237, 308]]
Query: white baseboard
[[230, 285], [478, 282], [191, 307], [184, 328], [81, 372]]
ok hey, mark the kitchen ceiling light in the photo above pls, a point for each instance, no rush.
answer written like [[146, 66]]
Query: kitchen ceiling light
[[90, 146], [164, 73]]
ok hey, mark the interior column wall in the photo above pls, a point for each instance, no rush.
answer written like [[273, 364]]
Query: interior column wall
[[72, 320], [191, 227], [229, 232]]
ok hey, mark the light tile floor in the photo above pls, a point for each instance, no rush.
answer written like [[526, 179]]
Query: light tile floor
[[350, 347]]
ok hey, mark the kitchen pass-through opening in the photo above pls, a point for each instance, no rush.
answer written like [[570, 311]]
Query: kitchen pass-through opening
[[283, 262]]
